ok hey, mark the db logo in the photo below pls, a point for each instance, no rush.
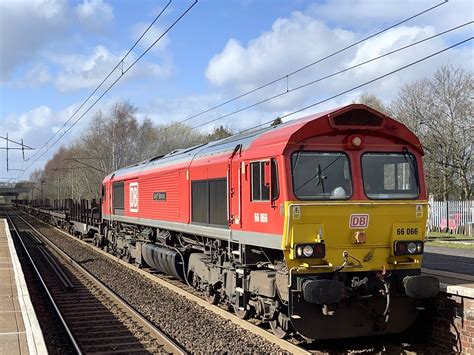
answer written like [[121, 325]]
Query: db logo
[[359, 221], [134, 197]]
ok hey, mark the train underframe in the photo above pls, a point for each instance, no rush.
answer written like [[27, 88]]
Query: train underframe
[[255, 282]]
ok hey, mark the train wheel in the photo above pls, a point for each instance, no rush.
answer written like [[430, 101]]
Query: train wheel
[[241, 313], [211, 296], [278, 328], [127, 257], [97, 240]]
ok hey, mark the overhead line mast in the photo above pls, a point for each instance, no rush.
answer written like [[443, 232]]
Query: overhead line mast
[[8, 148]]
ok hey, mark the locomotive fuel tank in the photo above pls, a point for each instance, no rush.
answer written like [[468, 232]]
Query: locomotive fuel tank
[[163, 259]]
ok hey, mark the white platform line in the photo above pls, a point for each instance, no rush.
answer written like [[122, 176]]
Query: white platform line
[[34, 335]]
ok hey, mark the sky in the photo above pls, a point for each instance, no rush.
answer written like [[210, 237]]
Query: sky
[[53, 54]]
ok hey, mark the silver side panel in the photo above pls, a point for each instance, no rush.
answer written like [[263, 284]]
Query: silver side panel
[[265, 240]]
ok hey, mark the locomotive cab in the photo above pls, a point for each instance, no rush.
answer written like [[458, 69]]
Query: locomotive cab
[[355, 226]]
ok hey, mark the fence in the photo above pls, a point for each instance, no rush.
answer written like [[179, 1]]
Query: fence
[[451, 216]]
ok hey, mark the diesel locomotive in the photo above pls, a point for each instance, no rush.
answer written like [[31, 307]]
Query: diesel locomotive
[[315, 225]]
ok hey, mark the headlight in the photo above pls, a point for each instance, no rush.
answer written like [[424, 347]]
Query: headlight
[[308, 251], [313, 250], [411, 247], [408, 247]]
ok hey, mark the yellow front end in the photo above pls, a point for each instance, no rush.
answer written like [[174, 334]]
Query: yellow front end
[[351, 241], [356, 285]]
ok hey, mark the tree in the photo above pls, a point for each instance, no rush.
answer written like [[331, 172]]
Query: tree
[[372, 101], [218, 133], [112, 140], [440, 112]]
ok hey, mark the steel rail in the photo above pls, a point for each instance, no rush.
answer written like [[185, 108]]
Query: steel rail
[[168, 344], [51, 299]]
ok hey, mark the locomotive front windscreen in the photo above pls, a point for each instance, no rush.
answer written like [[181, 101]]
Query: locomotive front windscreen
[[390, 175], [321, 175]]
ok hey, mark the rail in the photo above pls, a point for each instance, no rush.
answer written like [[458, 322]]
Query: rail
[[168, 344], [50, 297]]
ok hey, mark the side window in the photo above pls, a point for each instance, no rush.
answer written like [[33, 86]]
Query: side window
[[259, 178]]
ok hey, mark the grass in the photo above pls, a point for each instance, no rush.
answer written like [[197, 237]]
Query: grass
[[448, 236], [469, 246]]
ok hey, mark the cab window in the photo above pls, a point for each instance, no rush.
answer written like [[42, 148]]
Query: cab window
[[321, 175], [390, 175]]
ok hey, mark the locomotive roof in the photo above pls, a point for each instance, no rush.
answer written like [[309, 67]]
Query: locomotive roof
[[282, 134]]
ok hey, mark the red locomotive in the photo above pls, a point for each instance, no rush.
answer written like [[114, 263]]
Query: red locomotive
[[315, 225]]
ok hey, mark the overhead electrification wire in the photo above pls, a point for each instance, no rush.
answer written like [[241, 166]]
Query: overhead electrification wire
[[105, 79], [286, 76], [288, 91], [113, 83], [362, 85]]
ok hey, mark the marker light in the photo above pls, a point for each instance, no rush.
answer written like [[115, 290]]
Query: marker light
[[356, 141]]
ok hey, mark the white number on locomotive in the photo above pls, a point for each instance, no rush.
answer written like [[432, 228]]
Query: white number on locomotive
[[260, 217]]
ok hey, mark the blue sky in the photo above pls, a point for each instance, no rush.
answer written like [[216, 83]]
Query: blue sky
[[54, 53]]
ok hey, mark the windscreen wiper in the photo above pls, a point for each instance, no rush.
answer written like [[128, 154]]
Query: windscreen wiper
[[319, 174]]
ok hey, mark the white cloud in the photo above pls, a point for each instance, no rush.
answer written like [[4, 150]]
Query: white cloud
[[163, 110], [301, 39], [82, 71], [364, 14], [94, 14], [25, 28], [291, 43]]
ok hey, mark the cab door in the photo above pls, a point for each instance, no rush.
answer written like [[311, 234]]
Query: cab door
[[234, 178], [262, 184]]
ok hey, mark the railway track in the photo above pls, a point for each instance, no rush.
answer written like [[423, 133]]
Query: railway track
[[94, 317]]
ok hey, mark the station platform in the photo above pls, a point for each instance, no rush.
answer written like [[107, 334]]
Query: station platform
[[20, 332], [452, 283]]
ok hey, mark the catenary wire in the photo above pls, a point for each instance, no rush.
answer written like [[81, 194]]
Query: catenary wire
[[361, 85], [286, 76], [105, 79], [112, 85], [289, 91]]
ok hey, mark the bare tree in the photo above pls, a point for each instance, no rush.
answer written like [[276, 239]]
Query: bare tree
[[373, 101], [439, 111], [112, 141]]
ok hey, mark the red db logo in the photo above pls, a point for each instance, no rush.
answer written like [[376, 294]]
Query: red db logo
[[359, 221]]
